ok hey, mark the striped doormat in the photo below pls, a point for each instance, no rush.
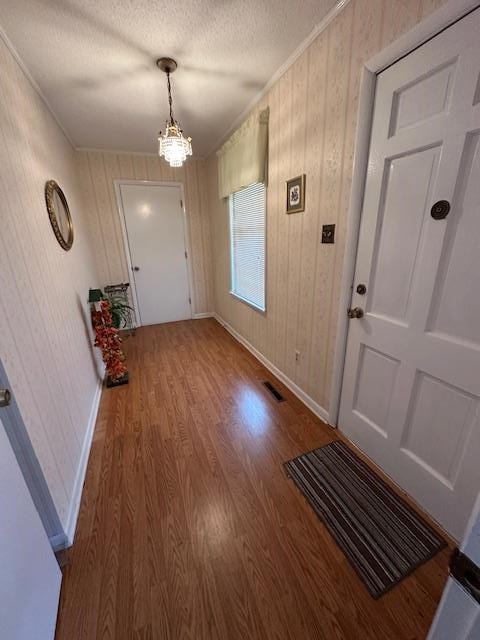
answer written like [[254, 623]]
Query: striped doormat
[[382, 536]]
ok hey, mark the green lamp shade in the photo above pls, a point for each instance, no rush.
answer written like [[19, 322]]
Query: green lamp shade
[[95, 295]]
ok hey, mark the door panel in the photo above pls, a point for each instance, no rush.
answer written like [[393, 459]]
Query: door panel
[[29, 577], [423, 98], [156, 236], [375, 382], [406, 188], [411, 391], [461, 258], [452, 411]]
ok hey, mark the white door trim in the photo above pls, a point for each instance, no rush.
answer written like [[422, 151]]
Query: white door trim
[[22, 447], [186, 234], [432, 25]]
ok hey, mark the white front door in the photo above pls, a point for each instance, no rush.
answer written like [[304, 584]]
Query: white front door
[[29, 574], [154, 222], [410, 396]]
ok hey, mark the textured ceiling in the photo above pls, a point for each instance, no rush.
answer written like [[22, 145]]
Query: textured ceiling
[[94, 61]]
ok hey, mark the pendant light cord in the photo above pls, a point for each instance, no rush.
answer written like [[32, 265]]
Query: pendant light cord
[[170, 101]]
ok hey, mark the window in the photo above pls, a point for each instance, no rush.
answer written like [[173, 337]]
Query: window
[[247, 244]]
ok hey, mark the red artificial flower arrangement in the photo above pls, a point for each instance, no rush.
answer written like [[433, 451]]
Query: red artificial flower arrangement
[[107, 339]]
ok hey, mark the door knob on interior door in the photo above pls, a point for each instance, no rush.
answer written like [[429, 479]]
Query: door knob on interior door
[[136, 268], [356, 312]]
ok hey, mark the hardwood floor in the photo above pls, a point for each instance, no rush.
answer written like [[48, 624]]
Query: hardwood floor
[[188, 526]]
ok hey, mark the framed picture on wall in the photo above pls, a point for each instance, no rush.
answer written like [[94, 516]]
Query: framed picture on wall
[[296, 194]]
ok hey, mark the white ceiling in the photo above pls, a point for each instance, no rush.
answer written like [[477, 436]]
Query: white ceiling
[[94, 61]]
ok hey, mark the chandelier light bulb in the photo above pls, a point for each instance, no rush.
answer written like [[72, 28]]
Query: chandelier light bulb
[[173, 146]]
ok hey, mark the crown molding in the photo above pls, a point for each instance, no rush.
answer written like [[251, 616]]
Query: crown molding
[[317, 30], [130, 153], [115, 151], [18, 59]]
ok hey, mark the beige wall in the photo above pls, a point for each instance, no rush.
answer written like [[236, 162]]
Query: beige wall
[[45, 344], [97, 172], [313, 110], [44, 341]]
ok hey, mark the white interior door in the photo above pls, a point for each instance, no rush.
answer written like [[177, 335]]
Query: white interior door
[[458, 614], [411, 389], [29, 574], [155, 228]]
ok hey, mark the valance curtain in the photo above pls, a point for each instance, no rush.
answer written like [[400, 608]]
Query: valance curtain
[[242, 159]]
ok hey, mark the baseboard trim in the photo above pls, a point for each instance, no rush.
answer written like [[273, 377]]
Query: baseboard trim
[[82, 468], [309, 402], [207, 314]]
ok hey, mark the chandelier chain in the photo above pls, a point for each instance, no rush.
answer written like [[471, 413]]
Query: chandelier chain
[[170, 101]]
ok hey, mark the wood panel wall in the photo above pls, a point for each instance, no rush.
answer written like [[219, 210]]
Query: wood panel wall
[[313, 119], [45, 345], [97, 172]]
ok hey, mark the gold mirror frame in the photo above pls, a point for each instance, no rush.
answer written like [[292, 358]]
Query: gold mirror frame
[[52, 187]]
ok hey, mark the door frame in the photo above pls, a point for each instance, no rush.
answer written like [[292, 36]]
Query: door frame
[[428, 28], [126, 245]]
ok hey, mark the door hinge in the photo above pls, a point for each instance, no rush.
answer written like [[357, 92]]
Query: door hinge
[[181, 204], [189, 300], [186, 255]]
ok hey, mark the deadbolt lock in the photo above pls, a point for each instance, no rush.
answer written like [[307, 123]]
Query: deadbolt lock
[[356, 312], [440, 210], [361, 289], [5, 397]]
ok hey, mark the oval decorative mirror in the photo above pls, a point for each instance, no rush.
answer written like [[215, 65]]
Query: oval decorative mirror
[[59, 214]]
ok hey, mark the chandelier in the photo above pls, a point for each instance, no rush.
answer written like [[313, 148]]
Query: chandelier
[[172, 145]]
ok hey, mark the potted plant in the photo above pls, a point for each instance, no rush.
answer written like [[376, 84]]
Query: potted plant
[[120, 311], [106, 319]]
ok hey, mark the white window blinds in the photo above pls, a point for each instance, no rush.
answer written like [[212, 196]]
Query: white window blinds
[[247, 244]]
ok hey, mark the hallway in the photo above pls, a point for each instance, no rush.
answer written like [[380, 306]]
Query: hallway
[[189, 527]]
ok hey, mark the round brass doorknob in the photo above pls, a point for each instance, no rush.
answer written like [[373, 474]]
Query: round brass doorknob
[[356, 312]]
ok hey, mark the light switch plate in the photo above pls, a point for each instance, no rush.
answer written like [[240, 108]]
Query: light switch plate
[[328, 234]]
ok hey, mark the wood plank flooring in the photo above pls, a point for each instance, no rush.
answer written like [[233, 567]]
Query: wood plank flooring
[[188, 526]]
